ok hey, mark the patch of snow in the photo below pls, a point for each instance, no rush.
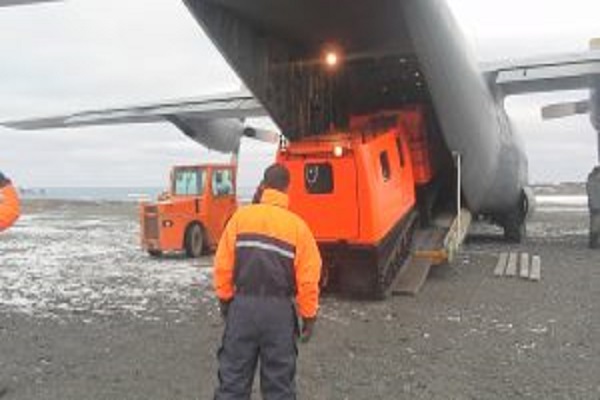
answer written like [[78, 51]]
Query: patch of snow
[[62, 261]]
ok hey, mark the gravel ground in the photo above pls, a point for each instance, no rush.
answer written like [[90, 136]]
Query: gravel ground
[[84, 314]]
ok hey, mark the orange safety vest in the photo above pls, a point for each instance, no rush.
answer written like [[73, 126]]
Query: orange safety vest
[[268, 250], [9, 206]]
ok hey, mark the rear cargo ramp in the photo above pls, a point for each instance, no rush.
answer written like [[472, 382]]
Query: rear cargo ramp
[[432, 246]]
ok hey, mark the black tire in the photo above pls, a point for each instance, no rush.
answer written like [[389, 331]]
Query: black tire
[[155, 253], [194, 241], [594, 229], [593, 244], [514, 230]]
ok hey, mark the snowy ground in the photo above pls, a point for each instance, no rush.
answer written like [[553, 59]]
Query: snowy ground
[[81, 259]]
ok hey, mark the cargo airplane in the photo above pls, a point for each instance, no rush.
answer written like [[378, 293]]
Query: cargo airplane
[[384, 111]]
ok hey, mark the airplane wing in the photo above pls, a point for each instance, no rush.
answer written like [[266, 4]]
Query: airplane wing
[[8, 3], [551, 73], [214, 121], [228, 105], [577, 71]]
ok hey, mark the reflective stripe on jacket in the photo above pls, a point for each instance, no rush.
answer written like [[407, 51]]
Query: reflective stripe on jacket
[[9, 206], [268, 250]]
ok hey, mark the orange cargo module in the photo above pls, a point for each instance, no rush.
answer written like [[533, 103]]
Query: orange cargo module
[[411, 121], [357, 192]]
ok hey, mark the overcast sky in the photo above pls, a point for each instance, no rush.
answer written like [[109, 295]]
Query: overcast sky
[[83, 54]]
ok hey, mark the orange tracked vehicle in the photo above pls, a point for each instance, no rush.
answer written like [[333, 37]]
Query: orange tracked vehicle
[[191, 216], [358, 192]]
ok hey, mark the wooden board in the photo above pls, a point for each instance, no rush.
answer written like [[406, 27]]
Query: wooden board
[[511, 267], [501, 265], [524, 266], [536, 269], [412, 277]]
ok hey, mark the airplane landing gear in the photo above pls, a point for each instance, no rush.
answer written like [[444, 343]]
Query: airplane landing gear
[[515, 229], [593, 192], [594, 231]]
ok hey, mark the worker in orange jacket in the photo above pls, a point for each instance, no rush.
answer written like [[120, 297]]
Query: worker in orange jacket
[[9, 203], [267, 255]]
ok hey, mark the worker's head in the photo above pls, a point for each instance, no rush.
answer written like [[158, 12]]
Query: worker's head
[[276, 177]]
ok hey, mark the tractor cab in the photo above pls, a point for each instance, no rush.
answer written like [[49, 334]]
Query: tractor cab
[[191, 216]]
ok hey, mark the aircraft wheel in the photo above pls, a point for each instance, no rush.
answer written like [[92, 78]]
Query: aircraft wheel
[[194, 241], [594, 229], [514, 230], [593, 241]]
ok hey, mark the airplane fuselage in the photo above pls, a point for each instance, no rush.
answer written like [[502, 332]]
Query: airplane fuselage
[[393, 53]]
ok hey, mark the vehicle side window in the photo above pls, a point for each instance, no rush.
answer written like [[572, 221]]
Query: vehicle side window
[[222, 182], [384, 161], [400, 153], [318, 178]]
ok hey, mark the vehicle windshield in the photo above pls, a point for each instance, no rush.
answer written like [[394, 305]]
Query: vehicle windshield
[[189, 181]]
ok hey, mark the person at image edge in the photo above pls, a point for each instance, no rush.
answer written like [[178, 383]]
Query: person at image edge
[[10, 208]]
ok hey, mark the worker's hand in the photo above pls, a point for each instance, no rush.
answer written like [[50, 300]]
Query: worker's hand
[[224, 307], [306, 331], [3, 180]]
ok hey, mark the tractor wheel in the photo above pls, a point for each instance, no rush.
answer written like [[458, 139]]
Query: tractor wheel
[[155, 253], [194, 241]]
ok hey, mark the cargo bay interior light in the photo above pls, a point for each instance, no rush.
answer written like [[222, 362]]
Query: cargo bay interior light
[[332, 56], [331, 59]]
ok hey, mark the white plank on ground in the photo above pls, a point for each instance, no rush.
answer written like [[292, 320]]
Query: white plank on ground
[[524, 265], [511, 267], [501, 266], [536, 268]]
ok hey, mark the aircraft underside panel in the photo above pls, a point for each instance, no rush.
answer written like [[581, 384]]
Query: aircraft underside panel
[[277, 52]]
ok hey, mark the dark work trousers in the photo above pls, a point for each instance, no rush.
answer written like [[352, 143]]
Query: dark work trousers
[[258, 328]]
